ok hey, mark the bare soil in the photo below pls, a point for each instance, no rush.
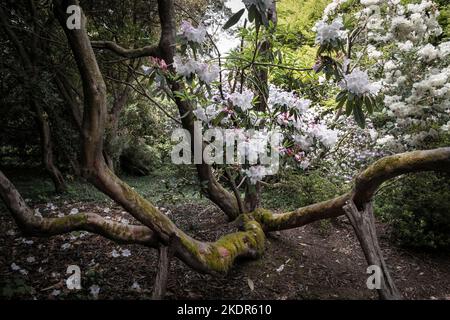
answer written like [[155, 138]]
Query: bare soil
[[318, 261]]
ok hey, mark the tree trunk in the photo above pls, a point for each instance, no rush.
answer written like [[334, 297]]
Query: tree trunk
[[252, 197], [265, 51], [47, 149], [160, 286], [108, 159], [363, 223]]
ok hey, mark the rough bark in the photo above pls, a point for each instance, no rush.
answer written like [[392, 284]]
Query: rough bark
[[252, 197], [366, 184], [28, 60], [47, 149], [167, 44], [160, 286], [208, 257], [72, 102], [45, 227], [265, 51], [212, 188], [363, 223]]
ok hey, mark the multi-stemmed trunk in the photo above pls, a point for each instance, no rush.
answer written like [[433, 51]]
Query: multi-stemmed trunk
[[156, 229]]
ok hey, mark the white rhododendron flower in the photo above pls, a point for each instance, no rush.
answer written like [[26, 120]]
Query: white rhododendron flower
[[206, 114], [242, 100], [386, 139], [358, 83], [304, 142], [197, 35], [444, 49], [256, 173], [185, 66], [370, 2], [332, 7], [428, 52], [327, 33], [446, 127], [373, 53], [327, 136], [289, 99], [405, 46], [207, 73]]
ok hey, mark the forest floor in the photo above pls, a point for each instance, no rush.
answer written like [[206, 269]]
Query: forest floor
[[318, 261]]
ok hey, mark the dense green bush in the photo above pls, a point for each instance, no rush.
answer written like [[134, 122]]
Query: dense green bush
[[295, 189], [140, 159], [417, 208]]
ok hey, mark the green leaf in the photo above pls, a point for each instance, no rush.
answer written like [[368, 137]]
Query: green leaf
[[234, 19], [340, 104], [369, 104], [341, 96], [349, 107], [359, 116], [263, 16], [252, 13], [219, 118]]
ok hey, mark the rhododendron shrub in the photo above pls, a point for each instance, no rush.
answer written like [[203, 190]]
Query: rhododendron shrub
[[378, 58], [232, 104], [392, 52]]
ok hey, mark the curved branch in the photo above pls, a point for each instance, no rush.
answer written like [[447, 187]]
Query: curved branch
[[147, 51], [366, 184], [220, 255], [44, 227]]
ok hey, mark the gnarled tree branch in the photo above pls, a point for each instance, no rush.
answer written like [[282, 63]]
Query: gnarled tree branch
[[209, 257], [366, 184], [147, 51], [45, 227]]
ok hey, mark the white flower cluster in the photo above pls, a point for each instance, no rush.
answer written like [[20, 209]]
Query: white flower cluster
[[207, 114], [242, 100], [429, 52], [192, 34], [332, 8], [265, 3], [368, 3], [415, 78], [327, 136], [327, 33], [256, 173], [187, 67], [415, 21], [358, 83], [288, 99], [306, 128]]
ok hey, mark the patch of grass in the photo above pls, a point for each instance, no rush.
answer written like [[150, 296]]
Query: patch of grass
[[297, 190], [162, 187]]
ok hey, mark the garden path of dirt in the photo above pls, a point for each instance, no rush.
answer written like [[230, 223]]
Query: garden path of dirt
[[318, 261]]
